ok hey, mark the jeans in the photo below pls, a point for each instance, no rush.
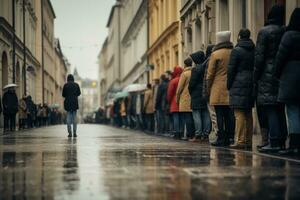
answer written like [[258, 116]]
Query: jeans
[[150, 122], [213, 119], [71, 119], [202, 121], [177, 123], [276, 119], [225, 121], [293, 115], [10, 122], [188, 122], [161, 122]]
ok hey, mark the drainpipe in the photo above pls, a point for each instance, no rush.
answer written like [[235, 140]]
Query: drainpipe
[[14, 41], [24, 48], [42, 35]]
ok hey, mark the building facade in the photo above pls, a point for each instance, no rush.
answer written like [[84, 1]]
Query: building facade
[[22, 52], [133, 41], [164, 36]]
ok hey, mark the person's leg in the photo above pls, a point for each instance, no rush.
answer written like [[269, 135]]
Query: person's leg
[[207, 125], [69, 123], [13, 122], [213, 117], [249, 132], [177, 127], [283, 125], [220, 124], [293, 116], [241, 127], [190, 128], [263, 123], [74, 120], [197, 122]]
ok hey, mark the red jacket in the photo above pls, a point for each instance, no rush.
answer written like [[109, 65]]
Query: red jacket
[[172, 88]]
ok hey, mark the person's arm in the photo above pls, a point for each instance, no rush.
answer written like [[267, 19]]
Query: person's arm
[[232, 68], [282, 54], [170, 92], [193, 81], [78, 91], [64, 92], [211, 71], [180, 87], [259, 56]]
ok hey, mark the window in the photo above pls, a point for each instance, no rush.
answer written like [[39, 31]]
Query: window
[[224, 15]]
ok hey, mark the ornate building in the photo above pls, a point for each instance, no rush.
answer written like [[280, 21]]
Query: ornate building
[[164, 36]]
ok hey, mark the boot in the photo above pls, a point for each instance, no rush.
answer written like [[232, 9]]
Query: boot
[[219, 141], [294, 145], [273, 147], [70, 135], [264, 138], [74, 135]]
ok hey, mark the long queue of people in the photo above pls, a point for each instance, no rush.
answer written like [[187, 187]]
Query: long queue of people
[[30, 115], [216, 91]]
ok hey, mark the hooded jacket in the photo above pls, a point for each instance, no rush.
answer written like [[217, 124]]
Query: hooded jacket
[[172, 88], [196, 82], [287, 64], [161, 98], [71, 92], [183, 97], [267, 44], [217, 74], [240, 75]]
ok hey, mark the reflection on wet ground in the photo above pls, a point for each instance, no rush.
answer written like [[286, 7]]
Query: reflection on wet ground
[[108, 163]]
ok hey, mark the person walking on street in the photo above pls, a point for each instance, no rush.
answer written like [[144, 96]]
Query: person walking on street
[[10, 109], [240, 86], [171, 98], [199, 102], [216, 87], [267, 85], [71, 92], [149, 108], [183, 98], [22, 113], [287, 68]]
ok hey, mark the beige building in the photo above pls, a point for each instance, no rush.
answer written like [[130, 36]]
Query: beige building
[[164, 36], [29, 76]]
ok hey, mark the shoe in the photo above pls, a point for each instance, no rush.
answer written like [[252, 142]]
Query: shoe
[[74, 135], [184, 138], [262, 145], [269, 149], [238, 146], [70, 135]]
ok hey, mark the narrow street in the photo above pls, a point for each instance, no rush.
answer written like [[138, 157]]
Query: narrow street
[[108, 163]]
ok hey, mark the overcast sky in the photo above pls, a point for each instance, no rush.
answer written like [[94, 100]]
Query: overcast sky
[[81, 27]]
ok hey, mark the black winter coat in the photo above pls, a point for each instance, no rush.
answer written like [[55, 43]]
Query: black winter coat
[[288, 68], [240, 75], [161, 98], [198, 101], [71, 92], [266, 48], [10, 103]]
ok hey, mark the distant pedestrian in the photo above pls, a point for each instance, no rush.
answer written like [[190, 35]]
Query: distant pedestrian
[[174, 107], [199, 102], [240, 86], [183, 99], [287, 68], [71, 92], [22, 113], [149, 109], [271, 113], [216, 85], [10, 109]]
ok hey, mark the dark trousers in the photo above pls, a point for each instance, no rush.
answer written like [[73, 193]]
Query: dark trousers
[[22, 123], [10, 122], [149, 122], [263, 123], [225, 121], [275, 116], [177, 123], [160, 122], [188, 122]]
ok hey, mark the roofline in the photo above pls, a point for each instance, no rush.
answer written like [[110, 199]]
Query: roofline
[[118, 4], [51, 8]]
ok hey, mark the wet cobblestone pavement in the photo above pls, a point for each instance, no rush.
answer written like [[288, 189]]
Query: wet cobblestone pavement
[[108, 163]]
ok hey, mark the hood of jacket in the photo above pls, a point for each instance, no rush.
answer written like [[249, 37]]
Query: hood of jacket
[[177, 72], [70, 78], [209, 50], [246, 44], [294, 24], [276, 16], [198, 57], [224, 45]]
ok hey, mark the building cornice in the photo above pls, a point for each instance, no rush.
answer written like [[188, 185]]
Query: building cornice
[[172, 28]]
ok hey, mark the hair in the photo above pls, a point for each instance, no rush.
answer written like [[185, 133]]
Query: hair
[[244, 33], [163, 77], [149, 86], [169, 72], [188, 62]]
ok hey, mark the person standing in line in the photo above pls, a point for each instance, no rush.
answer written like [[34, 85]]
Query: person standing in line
[[10, 109], [211, 109], [155, 90], [287, 70], [174, 108], [71, 92], [240, 86], [22, 113], [267, 85], [199, 103], [149, 108], [183, 98], [216, 87]]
